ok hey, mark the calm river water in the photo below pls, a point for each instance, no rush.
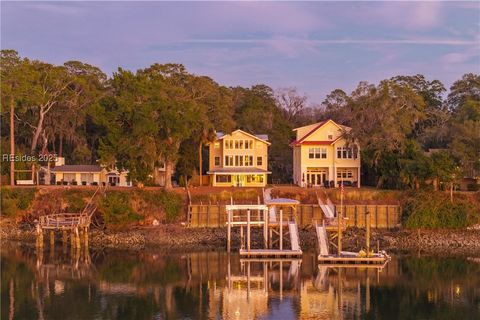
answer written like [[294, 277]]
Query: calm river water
[[212, 285]]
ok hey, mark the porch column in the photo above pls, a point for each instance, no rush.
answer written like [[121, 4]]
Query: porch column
[[358, 177], [303, 177], [335, 176], [214, 181]]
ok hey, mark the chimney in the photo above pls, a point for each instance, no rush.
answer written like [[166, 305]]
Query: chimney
[[59, 161]]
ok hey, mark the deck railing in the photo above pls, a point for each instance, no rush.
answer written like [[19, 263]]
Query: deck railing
[[64, 221]]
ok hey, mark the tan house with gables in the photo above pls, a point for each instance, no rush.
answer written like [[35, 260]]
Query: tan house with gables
[[321, 156], [238, 159]]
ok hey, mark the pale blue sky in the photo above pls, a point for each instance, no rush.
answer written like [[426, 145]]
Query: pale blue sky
[[314, 46]]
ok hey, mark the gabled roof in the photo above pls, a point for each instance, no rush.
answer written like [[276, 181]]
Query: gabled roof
[[261, 137], [77, 168], [317, 126]]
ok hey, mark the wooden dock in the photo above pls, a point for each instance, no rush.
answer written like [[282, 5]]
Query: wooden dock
[[77, 224], [269, 252], [352, 260]]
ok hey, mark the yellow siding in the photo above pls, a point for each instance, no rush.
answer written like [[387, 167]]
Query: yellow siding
[[218, 149], [323, 132], [303, 163]]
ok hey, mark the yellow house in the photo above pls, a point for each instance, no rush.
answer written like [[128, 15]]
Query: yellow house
[[322, 156], [238, 159]]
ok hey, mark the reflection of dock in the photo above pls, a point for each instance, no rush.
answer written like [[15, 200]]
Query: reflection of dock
[[247, 292]]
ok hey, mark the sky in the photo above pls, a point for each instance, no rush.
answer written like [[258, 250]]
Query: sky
[[315, 47]]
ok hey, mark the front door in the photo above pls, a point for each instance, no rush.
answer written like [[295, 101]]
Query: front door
[[238, 181], [316, 177]]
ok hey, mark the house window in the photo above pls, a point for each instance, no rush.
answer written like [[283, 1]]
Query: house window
[[223, 178], [259, 161], [344, 174], [241, 144], [228, 161], [330, 137], [238, 161], [248, 161], [323, 153], [256, 178], [216, 145], [317, 153], [345, 153], [227, 145], [217, 161]]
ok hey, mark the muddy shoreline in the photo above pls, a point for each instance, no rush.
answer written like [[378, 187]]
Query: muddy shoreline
[[177, 238]]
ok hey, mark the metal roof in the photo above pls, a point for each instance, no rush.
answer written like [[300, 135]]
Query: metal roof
[[282, 201]]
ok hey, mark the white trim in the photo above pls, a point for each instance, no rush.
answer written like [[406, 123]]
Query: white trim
[[246, 206], [248, 134]]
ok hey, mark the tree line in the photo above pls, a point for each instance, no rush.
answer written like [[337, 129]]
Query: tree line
[[165, 115]]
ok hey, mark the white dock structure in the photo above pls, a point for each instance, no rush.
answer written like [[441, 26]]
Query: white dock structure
[[322, 238], [268, 219]]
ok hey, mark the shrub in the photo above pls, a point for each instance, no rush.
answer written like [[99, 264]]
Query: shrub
[[116, 209], [9, 207], [15, 200], [76, 199], [434, 210], [169, 202], [473, 187], [172, 204]]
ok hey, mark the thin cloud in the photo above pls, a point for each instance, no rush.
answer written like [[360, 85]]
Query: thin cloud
[[453, 42]]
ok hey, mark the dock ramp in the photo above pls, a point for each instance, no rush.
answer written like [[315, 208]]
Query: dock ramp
[[327, 211], [322, 239], [294, 240], [327, 206]]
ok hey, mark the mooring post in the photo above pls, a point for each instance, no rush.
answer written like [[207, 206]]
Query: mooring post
[[86, 237], [72, 239], [77, 239], [248, 230], [229, 230], [265, 228], [64, 241], [367, 238], [39, 237], [281, 229], [52, 238]]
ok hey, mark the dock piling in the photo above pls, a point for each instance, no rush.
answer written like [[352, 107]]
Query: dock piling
[[367, 237]]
